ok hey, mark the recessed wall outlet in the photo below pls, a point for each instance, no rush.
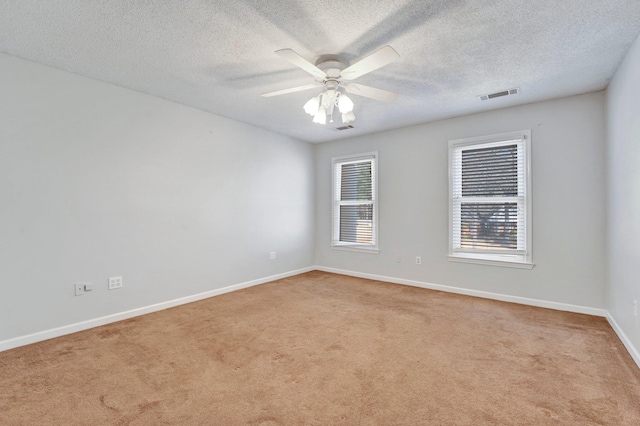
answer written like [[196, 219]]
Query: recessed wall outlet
[[272, 255], [635, 308], [115, 282], [79, 289], [418, 260]]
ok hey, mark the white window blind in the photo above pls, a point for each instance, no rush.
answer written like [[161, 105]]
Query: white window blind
[[489, 198], [354, 201]]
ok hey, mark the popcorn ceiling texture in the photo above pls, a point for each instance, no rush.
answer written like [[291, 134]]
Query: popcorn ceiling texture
[[218, 56]]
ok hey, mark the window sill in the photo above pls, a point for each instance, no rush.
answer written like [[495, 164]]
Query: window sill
[[360, 249], [496, 261]]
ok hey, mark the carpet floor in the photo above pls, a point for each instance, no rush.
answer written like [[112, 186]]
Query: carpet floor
[[326, 349]]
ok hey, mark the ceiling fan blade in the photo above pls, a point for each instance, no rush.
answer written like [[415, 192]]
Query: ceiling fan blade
[[370, 92], [376, 60], [290, 90], [301, 62]]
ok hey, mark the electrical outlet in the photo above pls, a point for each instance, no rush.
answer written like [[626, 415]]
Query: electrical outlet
[[635, 308], [272, 255], [418, 260], [79, 289], [115, 282]]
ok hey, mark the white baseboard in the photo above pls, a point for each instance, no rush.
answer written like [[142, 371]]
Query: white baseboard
[[635, 354], [477, 293], [96, 322], [625, 340]]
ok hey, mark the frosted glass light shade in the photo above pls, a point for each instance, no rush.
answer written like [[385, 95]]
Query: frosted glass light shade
[[312, 105], [345, 104], [348, 117], [321, 116]]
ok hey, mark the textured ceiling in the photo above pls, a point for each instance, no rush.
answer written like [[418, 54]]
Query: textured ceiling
[[218, 56]]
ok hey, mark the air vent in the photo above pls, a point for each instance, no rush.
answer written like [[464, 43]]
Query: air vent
[[345, 127], [499, 94]]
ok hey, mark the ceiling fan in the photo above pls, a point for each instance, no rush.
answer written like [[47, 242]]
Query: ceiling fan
[[336, 78]]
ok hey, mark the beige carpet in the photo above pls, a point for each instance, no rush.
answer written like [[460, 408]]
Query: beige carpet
[[325, 349]]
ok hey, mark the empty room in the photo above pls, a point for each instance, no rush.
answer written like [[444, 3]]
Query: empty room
[[322, 212]]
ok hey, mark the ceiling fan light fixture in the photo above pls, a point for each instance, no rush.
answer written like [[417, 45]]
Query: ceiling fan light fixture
[[312, 105], [321, 116], [345, 104], [331, 73]]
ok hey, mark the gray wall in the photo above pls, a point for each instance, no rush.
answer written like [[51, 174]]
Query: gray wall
[[623, 201], [99, 181], [568, 202]]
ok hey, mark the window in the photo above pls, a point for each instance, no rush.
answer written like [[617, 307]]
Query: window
[[355, 202], [490, 209]]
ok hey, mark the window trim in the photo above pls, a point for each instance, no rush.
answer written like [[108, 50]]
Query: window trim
[[357, 247], [524, 260]]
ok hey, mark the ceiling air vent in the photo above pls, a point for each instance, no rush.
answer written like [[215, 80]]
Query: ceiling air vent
[[345, 127], [499, 94]]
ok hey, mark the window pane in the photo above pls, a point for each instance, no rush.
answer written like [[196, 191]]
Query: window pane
[[356, 224], [356, 181], [490, 171], [489, 225]]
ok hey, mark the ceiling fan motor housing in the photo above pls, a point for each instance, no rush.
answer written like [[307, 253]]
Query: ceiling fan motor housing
[[332, 68]]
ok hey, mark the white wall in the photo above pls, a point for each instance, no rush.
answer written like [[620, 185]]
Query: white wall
[[99, 181], [623, 200], [568, 203]]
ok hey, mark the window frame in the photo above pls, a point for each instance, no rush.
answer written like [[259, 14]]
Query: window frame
[[336, 203], [478, 256]]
